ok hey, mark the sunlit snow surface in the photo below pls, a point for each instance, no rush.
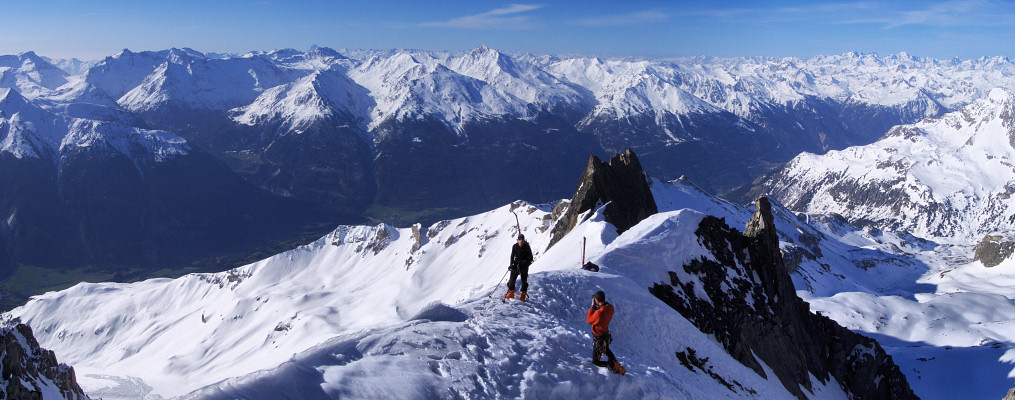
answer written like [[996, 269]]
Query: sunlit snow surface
[[379, 312], [382, 312]]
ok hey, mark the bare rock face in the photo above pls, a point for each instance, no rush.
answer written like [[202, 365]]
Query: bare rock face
[[26, 367], [993, 249], [621, 183], [752, 309], [1011, 395]]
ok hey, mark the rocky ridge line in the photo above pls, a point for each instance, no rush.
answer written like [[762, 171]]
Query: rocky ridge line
[[752, 310]]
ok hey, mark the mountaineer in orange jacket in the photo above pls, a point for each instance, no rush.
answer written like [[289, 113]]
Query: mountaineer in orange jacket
[[599, 316]]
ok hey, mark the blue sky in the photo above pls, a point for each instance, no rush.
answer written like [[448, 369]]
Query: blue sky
[[95, 29]]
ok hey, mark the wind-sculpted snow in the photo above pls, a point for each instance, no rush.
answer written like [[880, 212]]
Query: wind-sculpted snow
[[949, 177]]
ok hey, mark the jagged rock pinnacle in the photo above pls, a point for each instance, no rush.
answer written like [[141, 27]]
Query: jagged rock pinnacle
[[620, 184]]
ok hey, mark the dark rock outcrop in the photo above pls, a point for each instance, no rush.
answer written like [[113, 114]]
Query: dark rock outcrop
[[25, 367], [621, 183], [752, 310], [993, 249]]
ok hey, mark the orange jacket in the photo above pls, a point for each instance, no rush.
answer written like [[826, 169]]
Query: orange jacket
[[600, 319]]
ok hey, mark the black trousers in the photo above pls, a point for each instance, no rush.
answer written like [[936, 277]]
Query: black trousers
[[600, 346], [516, 271]]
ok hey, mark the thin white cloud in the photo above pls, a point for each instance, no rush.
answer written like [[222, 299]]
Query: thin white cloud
[[635, 18], [502, 18], [956, 13], [890, 15], [796, 13]]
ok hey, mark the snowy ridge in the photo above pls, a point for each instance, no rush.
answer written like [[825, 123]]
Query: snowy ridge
[[318, 96], [30, 74], [414, 301], [410, 84], [524, 81], [413, 86], [457, 88], [949, 177], [80, 99], [120, 73], [625, 89], [29, 131], [204, 84], [142, 146]]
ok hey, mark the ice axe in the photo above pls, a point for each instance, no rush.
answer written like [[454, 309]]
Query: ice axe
[[517, 224]]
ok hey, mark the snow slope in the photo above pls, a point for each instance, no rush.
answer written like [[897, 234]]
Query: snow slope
[[30, 74], [945, 178], [413, 303], [413, 86], [318, 96]]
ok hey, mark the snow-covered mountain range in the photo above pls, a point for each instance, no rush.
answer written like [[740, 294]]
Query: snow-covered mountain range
[[453, 133], [753, 112], [943, 178]]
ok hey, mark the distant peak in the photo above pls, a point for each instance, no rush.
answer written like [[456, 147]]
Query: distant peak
[[483, 50], [10, 96], [324, 51], [998, 95]]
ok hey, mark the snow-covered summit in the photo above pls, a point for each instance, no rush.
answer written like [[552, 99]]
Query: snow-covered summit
[[322, 95], [948, 177], [522, 80], [27, 130], [410, 86], [30, 74]]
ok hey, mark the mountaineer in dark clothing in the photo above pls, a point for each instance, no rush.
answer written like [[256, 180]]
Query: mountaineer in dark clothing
[[521, 257]]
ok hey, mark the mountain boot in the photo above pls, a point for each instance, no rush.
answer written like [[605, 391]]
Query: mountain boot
[[522, 297], [618, 369], [510, 294]]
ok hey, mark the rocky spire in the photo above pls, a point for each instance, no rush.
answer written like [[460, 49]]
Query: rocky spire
[[620, 184], [751, 308]]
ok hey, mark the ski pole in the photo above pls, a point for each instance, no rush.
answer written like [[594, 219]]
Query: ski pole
[[499, 282]]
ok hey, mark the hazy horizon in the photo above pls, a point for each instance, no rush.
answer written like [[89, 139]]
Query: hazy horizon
[[966, 29]]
